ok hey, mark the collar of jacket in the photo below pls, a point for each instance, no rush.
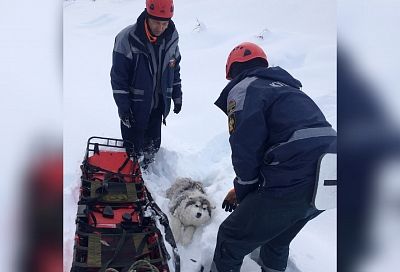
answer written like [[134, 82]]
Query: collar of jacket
[[140, 38], [271, 73]]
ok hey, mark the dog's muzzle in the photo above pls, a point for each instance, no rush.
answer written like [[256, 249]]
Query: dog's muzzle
[[198, 215]]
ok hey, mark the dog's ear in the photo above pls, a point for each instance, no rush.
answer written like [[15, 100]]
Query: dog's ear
[[199, 186]]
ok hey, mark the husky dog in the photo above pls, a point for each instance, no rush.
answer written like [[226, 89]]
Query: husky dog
[[189, 207]]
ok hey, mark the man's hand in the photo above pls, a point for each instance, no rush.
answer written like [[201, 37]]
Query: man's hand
[[126, 121], [126, 117], [230, 202], [177, 107]]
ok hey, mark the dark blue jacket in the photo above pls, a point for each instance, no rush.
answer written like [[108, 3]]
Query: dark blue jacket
[[277, 133], [134, 72]]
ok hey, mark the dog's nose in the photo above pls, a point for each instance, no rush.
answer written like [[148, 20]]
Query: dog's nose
[[198, 215]]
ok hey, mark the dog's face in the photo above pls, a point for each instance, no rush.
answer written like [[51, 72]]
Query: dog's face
[[195, 211]]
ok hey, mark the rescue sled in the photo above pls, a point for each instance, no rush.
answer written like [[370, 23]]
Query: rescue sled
[[116, 223]]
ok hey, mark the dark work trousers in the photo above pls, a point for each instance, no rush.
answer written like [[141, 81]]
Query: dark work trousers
[[146, 141], [266, 221]]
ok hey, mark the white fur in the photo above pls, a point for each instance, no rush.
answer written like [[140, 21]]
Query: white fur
[[189, 208]]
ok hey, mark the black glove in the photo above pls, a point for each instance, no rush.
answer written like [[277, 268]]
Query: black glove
[[127, 119], [230, 202], [177, 107], [229, 207]]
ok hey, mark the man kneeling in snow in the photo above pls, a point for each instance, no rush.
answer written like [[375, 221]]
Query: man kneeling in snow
[[277, 135]]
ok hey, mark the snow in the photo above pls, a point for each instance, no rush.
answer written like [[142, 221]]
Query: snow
[[299, 36]]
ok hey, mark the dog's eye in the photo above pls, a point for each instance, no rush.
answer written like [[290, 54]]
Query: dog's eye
[[204, 208], [197, 206]]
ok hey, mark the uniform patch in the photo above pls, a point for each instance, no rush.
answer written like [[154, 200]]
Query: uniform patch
[[231, 106], [172, 63], [232, 123]]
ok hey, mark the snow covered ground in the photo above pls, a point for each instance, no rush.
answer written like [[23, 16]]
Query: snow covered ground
[[299, 36]]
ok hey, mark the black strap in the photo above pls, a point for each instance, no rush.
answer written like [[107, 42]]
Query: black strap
[[124, 164], [93, 168], [169, 236], [143, 243], [96, 149], [91, 214], [117, 250]]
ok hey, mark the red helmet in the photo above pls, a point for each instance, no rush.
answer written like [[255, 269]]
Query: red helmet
[[160, 9], [244, 52]]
